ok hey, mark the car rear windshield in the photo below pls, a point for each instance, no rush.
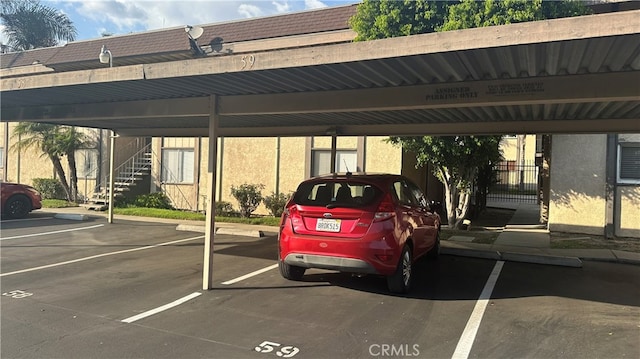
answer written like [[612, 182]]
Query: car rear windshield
[[336, 193]]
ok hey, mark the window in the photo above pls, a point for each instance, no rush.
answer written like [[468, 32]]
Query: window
[[87, 163], [629, 162], [417, 194], [342, 193], [177, 165], [403, 193], [346, 161]]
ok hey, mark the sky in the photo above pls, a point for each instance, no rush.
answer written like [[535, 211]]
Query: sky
[[92, 18]]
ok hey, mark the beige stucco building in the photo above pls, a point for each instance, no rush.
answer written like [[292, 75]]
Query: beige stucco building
[[579, 185], [279, 164]]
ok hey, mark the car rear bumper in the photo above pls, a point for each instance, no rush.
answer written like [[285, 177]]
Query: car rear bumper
[[330, 262]]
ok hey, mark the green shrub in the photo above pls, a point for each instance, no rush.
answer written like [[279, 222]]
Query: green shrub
[[153, 200], [248, 197], [275, 203], [121, 201], [224, 209], [49, 188]]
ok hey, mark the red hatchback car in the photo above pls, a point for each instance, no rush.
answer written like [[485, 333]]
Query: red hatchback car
[[359, 223], [18, 200]]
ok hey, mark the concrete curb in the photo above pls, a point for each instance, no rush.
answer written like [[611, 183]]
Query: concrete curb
[[574, 262], [190, 228], [71, 216], [474, 253], [239, 232], [221, 230], [563, 261]]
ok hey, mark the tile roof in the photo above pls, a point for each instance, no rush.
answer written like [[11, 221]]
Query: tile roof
[[306, 22], [173, 44], [29, 57]]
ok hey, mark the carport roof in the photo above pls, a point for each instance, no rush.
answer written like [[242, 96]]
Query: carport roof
[[566, 75]]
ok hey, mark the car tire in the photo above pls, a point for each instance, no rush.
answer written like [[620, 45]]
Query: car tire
[[400, 280], [17, 206], [291, 272], [434, 252]]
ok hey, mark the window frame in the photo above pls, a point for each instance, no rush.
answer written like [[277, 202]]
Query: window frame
[[619, 179], [180, 171], [95, 153], [314, 151]]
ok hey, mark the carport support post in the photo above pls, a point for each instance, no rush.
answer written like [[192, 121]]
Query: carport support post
[[209, 234], [112, 145]]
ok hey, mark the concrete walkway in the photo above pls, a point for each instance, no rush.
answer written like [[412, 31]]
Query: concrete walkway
[[523, 240]]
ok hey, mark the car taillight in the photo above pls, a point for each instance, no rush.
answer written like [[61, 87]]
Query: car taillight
[[292, 212], [385, 210]]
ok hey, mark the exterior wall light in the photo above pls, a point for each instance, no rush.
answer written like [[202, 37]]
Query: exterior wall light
[[105, 56]]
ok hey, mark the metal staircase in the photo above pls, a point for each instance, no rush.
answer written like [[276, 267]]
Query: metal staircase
[[127, 176]]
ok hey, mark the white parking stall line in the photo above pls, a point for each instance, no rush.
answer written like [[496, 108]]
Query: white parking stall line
[[99, 256], [151, 312], [252, 274], [469, 334], [52, 232], [25, 219]]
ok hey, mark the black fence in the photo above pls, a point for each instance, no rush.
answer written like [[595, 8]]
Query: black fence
[[515, 183]]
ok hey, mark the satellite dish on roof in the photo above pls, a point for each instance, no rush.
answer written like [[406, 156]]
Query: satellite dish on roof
[[194, 32]]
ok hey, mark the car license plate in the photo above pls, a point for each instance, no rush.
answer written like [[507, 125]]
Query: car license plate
[[328, 225]]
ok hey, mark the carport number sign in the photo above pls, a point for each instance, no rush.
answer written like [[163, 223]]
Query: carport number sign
[[17, 294], [286, 351]]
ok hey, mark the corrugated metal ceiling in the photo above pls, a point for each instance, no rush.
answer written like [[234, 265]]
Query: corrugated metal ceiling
[[593, 55]]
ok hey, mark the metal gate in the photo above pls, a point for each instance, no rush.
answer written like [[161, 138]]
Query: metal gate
[[515, 183]]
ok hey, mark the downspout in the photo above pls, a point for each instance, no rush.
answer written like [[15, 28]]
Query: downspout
[[277, 179], [220, 174], [334, 154], [18, 160], [611, 187], [99, 170], [5, 156], [198, 174]]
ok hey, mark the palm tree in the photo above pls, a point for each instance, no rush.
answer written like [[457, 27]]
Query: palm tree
[[68, 140], [54, 141], [44, 137], [30, 25]]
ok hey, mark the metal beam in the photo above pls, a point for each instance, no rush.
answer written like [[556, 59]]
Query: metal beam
[[622, 86], [605, 87]]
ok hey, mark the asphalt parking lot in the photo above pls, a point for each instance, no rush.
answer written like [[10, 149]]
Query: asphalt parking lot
[[89, 289]]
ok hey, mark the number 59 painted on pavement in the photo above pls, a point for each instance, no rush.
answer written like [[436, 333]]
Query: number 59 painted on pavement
[[286, 351]]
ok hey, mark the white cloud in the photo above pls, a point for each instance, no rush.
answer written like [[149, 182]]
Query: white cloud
[[247, 10], [281, 6], [93, 17], [314, 4]]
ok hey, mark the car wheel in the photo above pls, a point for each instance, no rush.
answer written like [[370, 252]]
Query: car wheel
[[17, 206], [290, 272], [435, 251], [400, 280]]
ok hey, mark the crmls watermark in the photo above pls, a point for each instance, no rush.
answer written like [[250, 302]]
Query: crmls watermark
[[394, 350]]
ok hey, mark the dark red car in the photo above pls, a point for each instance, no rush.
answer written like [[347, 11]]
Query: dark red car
[[18, 200], [359, 223]]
